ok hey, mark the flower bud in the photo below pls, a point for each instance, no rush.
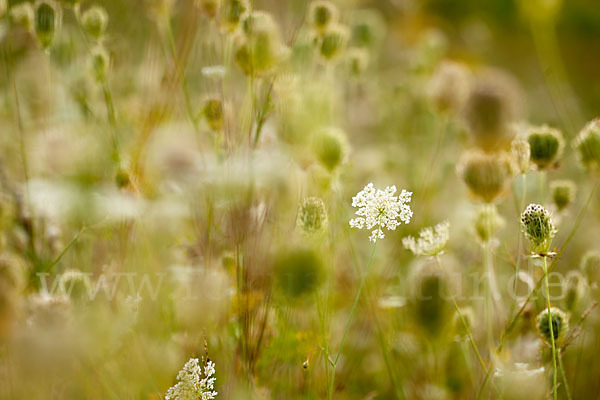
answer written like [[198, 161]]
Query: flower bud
[[330, 147], [546, 145], [213, 112], [486, 175], [22, 15], [521, 152], [560, 325], [333, 42], [298, 272], [574, 290], [231, 13], [563, 193], [47, 22], [100, 62], [312, 216], [536, 224], [321, 14], [94, 21], [587, 144], [487, 222]]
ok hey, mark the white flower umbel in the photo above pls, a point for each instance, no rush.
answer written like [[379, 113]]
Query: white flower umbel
[[431, 241], [380, 209], [194, 384]]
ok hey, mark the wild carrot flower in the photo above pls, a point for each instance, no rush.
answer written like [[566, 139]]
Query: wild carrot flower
[[431, 240], [195, 383], [380, 209]]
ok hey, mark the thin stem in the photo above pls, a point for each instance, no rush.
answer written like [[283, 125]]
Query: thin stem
[[352, 311], [520, 242], [554, 391], [564, 376], [110, 110]]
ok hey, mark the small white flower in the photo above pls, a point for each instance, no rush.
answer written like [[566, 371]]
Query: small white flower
[[194, 383], [380, 209], [431, 241]]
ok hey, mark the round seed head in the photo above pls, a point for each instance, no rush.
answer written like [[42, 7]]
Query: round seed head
[[469, 318], [213, 112], [208, 7], [231, 13], [333, 42], [560, 325], [486, 175], [47, 22], [100, 61], [587, 144], [546, 146], [448, 87], [563, 193], [261, 49], [521, 151], [321, 14], [590, 266], [22, 15], [298, 273], [536, 224], [312, 216], [330, 147], [358, 61], [574, 289], [487, 222], [94, 21], [367, 28]]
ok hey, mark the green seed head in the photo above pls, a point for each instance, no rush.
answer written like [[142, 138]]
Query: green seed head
[[431, 308], [312, 216], [213, 112], [536, 224], [560, 325], [587, 144], [261, 49], [333, 42], [563, 193], [486, 175], [358, 61], [330, 147], [487, 222], [298, 273], [546, 146], [231, 13], [322, 14], [100, 61], [22, 15], [94, 21], [47, 22]]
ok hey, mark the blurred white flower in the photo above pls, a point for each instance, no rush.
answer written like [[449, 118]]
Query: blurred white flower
[[431, 241], [381, 209], [194, 384]]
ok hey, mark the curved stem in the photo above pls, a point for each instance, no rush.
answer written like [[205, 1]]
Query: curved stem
[[554, 391]]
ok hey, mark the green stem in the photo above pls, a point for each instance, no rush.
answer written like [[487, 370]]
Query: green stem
[[554, 391], [352, 311], [564, 376], [520, 242]]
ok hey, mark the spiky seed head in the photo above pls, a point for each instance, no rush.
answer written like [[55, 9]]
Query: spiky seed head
[[590, 266], [331, 147], [563, 193], [213, 112], [312, 216], [487, 222], [491, 107], [231, 13], [536, 224], [22, 15], [333, 42], [100, 62], [94, 21], [587, 144], [546, 145], [47, 22], [298, 272], [574, 289], [486, 175], [367, 28], [321, 14], [560, 325], [208, 7], [261, 48], [448, 87], [521, 152]]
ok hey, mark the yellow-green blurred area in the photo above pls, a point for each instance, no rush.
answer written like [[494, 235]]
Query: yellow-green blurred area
[[179, 179]]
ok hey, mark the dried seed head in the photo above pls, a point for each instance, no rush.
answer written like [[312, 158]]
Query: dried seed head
[[47, 22], [560, 325], [22, 15], [521, 151], [587, 144], [321, 14], [536, 224], [333, 42], [331, 147], [492, 106], [231, 13], [487, 222], [486, 175], [546, 145], [563, 193], [94, 21], [312, 216], [213, 112], [448, 87], [298, 272], [574, 290]]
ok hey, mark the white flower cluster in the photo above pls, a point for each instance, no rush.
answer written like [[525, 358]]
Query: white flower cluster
[[193, 383], [431, 241], [380, 209]]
